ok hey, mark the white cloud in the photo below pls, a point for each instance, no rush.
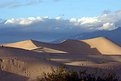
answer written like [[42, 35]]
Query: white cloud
[[88, 20], [58, 18], [19, 21], [25, 21], [108, 26], [21, 3], [73, 20], [58, 27], [107, 21], [18, 3]]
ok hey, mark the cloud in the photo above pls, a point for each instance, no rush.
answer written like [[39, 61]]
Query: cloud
[[106, 21], [58, 27], [108, 26], [18, 3], [88, 20], [24, 21]]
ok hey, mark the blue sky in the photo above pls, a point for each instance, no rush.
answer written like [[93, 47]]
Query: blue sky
[[25, 19], [53, 8]]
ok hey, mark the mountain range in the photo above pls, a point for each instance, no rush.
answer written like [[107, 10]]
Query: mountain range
[[113, 35]]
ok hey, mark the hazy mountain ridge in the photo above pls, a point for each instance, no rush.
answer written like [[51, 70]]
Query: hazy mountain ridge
[[113, 35]]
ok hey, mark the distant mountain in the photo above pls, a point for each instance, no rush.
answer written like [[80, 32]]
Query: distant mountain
[[114, 35], [1, 20], [7, 36]]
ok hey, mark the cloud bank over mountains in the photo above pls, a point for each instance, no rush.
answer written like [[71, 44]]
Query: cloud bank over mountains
[[106, 21], [59, 27]]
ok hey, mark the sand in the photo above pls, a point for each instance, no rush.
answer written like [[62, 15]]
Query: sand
[[23, 62], [26, 60], [104, 46], [28, 45]]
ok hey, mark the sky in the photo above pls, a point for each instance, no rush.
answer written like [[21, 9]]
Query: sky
[[53, 8], [49, 20]]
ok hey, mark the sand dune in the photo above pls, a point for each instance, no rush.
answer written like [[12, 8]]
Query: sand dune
[[67, 47], [7, 76], [104, 46], [35, 45], [96, 46], [23, 62], [28, 44], [28, 59], [100, 45], [78, 47]]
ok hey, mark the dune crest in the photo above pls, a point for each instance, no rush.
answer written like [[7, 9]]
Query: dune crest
[[27, 44], [99, 45], [29, 59], [104, 46]]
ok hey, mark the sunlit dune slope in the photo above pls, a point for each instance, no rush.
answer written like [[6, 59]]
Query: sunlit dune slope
[[94, 46], [35, 45], [104, 46], [28, 59], [28, 44]]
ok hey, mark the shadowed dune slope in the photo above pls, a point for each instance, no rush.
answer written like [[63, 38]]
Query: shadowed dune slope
[[28, 59], [104, 46], [24, 62], [16, 52], [78, 47], [7, 76], [94, 46]]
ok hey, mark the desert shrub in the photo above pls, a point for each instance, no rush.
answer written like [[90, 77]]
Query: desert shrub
[[61, 74]]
